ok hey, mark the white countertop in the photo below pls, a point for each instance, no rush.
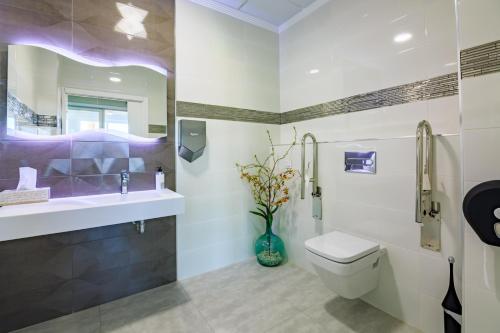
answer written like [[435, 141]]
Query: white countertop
[[76, 213]]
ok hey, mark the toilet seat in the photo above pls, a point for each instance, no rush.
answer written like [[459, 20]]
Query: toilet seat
[[341, 247], [347, 264]]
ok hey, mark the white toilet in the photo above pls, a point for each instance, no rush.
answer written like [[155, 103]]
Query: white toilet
[[347, 264]]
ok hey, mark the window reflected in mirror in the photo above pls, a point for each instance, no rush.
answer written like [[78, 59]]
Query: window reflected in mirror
[[50, 94]]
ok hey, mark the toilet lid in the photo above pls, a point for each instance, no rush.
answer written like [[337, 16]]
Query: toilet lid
[[341, 247]]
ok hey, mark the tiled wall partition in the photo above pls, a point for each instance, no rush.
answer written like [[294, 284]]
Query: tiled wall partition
[[3, 91], [234, 64], [347, 49], [480, 36], [367, 71], [49, 276], [55, 275], [87, 163]]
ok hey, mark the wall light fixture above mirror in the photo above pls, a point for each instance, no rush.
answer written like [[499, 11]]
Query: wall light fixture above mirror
[[50, 94]]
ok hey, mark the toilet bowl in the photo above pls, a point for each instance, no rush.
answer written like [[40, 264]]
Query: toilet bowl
[[346, 264]]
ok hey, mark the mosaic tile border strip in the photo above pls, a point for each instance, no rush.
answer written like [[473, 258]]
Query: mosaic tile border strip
[[157, 129], [197, 110], [441, 86], [480, 60], [27, 116]]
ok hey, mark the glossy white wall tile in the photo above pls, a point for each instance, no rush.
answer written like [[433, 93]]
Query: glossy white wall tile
[[479, 24], [348, 48], [217, 229], [343, 49], [225, 61], [380, 207], [481, 102]]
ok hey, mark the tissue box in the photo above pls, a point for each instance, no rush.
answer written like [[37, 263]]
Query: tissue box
[[10, 197]]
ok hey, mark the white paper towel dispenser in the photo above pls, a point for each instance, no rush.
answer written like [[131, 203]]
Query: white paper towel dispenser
[[192, 139]]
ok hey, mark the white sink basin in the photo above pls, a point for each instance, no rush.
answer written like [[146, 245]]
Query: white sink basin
[[76, 213]]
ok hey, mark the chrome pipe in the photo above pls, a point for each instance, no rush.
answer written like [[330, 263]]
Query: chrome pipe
[[424, 204], [314, 179]]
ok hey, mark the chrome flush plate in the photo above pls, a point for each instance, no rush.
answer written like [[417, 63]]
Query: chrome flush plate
[[360, 162]]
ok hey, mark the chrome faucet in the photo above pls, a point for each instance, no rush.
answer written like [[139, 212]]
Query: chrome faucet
[[316, 194], [124, 181], [427, 211]]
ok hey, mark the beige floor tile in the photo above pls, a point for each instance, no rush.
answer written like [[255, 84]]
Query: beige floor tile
[[86, 321]]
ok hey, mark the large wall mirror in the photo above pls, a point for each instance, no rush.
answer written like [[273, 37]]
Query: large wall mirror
[[50, 94]]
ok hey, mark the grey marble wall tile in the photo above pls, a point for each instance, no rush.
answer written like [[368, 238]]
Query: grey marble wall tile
[[115, 150], [50, 276], [86, 185], [143, 181], [110, 184], [35, 150], [110, 231], [60, 187], [96, 136], [9, 168], [153, 155], [100, 149], [137, 164], [86, 149], [4, 59], [99, 166]]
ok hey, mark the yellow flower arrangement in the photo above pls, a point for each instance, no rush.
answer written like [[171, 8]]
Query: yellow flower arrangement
[[267, 182]]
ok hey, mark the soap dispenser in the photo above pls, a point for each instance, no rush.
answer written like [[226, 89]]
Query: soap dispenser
[[160, 179]]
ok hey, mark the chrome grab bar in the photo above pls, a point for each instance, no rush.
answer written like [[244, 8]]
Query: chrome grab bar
[[427, 211], [423, 204], [316, 194], [314, 179]]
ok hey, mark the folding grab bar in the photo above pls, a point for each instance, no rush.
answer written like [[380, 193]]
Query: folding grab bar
[[427, 212]]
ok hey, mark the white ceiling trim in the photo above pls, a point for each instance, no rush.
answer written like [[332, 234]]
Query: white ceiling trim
[[302, 14], [236, 14]]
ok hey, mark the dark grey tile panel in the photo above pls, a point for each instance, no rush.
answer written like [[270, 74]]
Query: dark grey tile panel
[[197, 110], [480, 60], [54, 275], [98, 166], [99, 149], [441, 86]]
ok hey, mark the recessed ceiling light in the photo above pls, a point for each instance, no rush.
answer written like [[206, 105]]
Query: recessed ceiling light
[[403, 37], [314, 71], [115, 79]]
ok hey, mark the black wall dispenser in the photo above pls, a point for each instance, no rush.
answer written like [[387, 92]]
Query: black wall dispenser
[[481, 208], [192, 139]]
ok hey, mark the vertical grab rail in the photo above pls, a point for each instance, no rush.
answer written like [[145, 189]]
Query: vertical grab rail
[[424, 171], [316, 194], [427, 212]]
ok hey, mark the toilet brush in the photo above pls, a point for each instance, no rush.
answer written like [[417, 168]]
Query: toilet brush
[[451, 306]]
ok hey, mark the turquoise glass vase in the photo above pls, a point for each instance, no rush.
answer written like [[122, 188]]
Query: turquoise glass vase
[[269, 248]]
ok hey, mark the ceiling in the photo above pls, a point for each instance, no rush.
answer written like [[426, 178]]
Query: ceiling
[[274, 12]]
